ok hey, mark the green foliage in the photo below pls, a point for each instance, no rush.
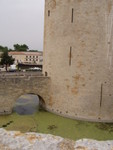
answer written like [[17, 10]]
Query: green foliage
[[6, 59], [10, 50], [2, 48], [18, 47]]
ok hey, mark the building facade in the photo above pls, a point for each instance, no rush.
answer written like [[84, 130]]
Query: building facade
[[27, 57], [78, 52]]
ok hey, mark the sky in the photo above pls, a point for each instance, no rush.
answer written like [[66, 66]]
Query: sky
[[22, 22]]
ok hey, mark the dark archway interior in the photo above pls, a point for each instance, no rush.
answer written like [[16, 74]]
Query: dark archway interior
[[42, 104], [28, 104]]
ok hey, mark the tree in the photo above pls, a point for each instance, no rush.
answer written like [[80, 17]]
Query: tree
[[6, 59], [18, 47], [2, 48]]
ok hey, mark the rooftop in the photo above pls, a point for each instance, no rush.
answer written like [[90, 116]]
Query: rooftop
[[25, 53]]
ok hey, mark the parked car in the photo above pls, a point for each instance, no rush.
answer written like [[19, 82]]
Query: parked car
[[35, 69], [12, 68]]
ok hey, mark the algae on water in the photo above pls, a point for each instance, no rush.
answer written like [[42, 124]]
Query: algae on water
[[45, 122]]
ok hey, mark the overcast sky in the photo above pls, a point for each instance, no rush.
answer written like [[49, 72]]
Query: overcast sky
[[22, 22]]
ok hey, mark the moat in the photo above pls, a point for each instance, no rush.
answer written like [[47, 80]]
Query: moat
[[44, 122]]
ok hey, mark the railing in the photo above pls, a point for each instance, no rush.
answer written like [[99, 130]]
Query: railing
[[20, 74]]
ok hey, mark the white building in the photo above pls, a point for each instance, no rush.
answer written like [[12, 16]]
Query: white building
[[27, 57]]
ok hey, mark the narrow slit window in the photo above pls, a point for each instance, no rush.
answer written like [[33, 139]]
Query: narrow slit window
[[101, 95], [70, 56], [48, 13], [72, 15]]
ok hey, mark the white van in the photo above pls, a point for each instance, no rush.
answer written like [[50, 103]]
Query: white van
[[12, 68]]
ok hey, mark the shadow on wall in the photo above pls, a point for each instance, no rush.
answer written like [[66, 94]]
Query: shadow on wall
[[42, 104], [29, 104]]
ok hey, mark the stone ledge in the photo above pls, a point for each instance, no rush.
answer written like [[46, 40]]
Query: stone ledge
[[15, 140]]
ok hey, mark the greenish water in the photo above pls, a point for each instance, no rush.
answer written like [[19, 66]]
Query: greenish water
[[45, 122]]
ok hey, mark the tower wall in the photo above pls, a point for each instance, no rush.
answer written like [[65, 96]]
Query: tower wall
[[78, 50]]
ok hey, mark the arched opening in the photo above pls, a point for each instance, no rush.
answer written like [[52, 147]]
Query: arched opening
[[29, 104], [42, 104]]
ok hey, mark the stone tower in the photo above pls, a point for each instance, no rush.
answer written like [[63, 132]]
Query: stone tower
[[78, 51]]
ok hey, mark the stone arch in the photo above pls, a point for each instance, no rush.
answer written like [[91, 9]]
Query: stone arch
[[28, 103], [16, 86], [42, 103]]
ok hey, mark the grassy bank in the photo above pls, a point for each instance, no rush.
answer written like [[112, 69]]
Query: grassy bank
[[45, 122]]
